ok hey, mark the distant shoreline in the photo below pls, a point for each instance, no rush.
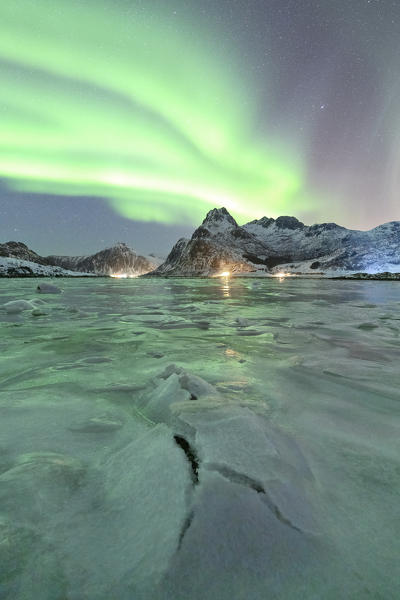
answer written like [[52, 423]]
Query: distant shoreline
[[356, 277]]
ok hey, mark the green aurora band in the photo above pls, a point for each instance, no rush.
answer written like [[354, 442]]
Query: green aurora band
[[97, 101]]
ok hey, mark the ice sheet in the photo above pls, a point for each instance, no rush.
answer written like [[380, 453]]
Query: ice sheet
[[264, 464]]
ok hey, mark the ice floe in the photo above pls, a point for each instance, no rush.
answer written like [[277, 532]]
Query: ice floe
[[48, 288]]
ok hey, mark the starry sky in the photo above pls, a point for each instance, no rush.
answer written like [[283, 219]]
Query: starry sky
[[127, 120]]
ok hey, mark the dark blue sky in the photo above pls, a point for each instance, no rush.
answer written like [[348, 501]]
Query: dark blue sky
[[69, 225]]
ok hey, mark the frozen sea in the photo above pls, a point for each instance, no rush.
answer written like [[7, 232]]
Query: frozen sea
[[200, 439]]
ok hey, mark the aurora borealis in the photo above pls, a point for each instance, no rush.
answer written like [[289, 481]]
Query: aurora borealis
[[101, 103], [165, 110]]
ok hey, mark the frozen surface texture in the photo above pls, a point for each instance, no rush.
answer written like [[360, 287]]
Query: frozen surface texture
[[199, 439]]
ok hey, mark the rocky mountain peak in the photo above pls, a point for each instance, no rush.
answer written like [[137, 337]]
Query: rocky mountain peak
[[119, 248], [21, 251], [16, 245], [120, 258], [219, 217], [122, 246], [263, 222], [289, 223]]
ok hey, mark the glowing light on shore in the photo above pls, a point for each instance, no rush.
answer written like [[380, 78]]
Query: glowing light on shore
[[224, 274], [282, 275], [119, 275]]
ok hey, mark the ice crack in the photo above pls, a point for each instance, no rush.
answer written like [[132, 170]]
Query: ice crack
[[185, 527], [245, 480], [190, 455]]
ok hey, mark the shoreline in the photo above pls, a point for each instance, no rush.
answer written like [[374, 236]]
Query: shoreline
[[355, 277]]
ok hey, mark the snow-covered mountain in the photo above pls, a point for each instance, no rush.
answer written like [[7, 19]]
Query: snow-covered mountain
[[218, 244], [17, 267], [270, 245], [117, 260], [17, 260], [21, 251]]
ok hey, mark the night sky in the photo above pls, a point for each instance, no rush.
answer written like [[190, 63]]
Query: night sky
[[123, 120]]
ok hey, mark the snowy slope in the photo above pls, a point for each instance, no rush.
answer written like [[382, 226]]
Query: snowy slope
[[374, 250], [21, 251], [16, 267]]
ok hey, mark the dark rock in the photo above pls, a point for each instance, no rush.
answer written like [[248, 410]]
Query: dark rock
[[289, 223], [155, 354], [218, 215]]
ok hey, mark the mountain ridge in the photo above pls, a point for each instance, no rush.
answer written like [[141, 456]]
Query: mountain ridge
[[19, 260], [118, 259], [265, 245]]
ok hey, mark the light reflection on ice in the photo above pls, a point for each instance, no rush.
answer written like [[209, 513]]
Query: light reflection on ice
[[287, 396]]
